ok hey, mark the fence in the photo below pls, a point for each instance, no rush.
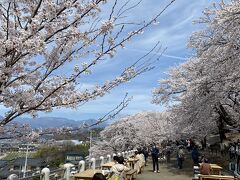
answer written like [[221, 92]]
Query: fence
[[68, 169]]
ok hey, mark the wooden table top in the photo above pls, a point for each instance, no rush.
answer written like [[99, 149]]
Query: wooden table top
[[88, 174], [108, 165], [214, 166], [217, 177]]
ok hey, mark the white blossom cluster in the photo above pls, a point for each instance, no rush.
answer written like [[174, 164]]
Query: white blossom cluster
[[203, 93], [135, 131]]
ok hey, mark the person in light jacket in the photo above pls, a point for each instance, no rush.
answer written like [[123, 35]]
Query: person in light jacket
[[119, 169], [180, 157], [141, 161]]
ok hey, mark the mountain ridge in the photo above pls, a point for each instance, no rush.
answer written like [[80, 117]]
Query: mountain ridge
[[55, 122]]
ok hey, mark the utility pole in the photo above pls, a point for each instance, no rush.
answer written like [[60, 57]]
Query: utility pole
[[25, 165], [90, 143]]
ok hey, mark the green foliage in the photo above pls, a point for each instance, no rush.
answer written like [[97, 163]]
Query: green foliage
[[55, 155], [14, 155]]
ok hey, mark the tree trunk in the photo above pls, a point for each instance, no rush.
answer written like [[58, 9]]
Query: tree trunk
[[221, 129], [225, 116], [204, 142]]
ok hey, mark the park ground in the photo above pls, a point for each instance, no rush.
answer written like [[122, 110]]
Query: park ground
[[169, 171]]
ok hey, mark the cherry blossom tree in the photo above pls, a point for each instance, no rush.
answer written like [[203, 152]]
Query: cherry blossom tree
[[205, 89], [118, 137], [39, 39], [135, 131]]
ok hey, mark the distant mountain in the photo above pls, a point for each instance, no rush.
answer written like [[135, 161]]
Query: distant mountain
[[56, 122]]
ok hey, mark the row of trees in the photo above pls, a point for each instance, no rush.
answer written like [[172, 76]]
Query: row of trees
[[134, 131], [203, 93]]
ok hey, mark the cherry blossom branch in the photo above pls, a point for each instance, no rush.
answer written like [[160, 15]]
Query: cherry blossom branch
[[29, 76]]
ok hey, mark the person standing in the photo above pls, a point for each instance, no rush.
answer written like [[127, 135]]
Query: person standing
[[168, 153], [145, 153], [195, 155], [231, 152], [155, 154], [238, 151], [188, 142], [180, 157]]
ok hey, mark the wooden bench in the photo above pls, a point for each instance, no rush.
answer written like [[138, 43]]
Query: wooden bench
[[218, 177], [131, 173]]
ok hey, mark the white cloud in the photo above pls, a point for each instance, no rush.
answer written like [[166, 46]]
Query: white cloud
[[163, 54]]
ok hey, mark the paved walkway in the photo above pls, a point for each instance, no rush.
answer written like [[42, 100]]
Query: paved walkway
[[168, 172]]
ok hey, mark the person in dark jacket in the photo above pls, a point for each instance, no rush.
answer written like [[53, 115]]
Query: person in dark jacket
[[155, 154], [145, 153], [195, 155]]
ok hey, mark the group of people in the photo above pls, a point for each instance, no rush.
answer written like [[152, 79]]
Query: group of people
[[117, 172], [141, 155], [204, 167], [154, 151], [121, 167]]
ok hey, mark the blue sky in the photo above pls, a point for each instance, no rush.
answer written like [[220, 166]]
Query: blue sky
[[174, 28]]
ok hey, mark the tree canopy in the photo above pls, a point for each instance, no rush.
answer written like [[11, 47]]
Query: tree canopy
[[47, 46], [135, 131], [204, 91]]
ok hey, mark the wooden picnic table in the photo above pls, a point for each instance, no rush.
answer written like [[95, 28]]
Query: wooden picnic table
[[132, 161], [88, 174], [108, 165], [216, 177], [215, 168]]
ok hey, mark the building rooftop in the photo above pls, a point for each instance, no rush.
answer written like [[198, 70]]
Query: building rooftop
[[38, 162]]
